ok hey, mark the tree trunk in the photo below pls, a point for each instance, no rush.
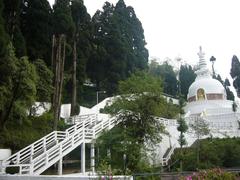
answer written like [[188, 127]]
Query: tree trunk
[[61, 74], [58, 58], [74, 80]]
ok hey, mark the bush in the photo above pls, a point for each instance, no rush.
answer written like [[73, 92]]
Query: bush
[[211, 174]]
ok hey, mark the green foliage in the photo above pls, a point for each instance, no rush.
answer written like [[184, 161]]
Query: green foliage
[[44, 81], [235, 73], [18, 136], [182, 128], [234, 106], [3, 37], [213, 153], [119, 46], [200, 128], [19, 90], [62, 18], [139, 103], [11, 13], [36, 26], [230, 95], [165, 72], [226, 84], [186, 78]]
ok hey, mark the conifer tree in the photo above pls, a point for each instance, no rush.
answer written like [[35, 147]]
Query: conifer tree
[[186, 78], [235, 73], [63, 30], [212, 60], [11, 14], [119, 37], [36, 25], [81, 49], [182, 128]]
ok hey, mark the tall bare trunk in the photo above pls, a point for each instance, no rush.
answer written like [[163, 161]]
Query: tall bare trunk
[[74, 80], [53, 52], [61, 74], [58, 58]]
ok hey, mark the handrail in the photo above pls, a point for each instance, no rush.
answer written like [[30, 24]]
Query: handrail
[[27, 153], [80, 134], [168, 157], [41, 154]]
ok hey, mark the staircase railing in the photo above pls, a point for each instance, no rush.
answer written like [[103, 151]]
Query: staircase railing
[[28, 153], [168, 157], [64, 142]]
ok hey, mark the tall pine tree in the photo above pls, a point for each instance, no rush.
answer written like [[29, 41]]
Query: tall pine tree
[[186, 78], [63, 30], [36, 25], [119, 37], [235, 73], [11, 13], [81, 49]]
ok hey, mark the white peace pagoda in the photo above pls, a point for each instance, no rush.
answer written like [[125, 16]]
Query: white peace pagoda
[[206, 96], [207, 101]]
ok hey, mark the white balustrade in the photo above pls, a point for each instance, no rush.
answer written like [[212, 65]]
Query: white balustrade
[[37, 157]]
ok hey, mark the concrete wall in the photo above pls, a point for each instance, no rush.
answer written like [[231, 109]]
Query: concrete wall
[[15, 177]]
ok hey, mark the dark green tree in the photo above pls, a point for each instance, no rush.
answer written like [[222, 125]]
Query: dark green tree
[[63, 31], [137, 127], [226, 84], [44, 81], [11, 14], [20, 91], [182, 128], [118, 35], [186, 78], [81, 49], [235, 74], [212, 60], [230, 95], [36, 26], [97, 65], [165, 71], [7, 67]]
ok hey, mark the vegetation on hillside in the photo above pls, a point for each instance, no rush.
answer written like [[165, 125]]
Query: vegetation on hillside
[[137, 129], [223, 153], [48, 53]]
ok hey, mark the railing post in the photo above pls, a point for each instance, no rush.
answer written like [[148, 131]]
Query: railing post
[[18, 158], [31, 169], [60, 166], [20, 169], [60, 160], [83, 157], [31, 153], [44, 145], [83, 150], [92, 157]]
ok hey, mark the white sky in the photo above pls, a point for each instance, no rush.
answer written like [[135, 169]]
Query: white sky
[[178, 27]]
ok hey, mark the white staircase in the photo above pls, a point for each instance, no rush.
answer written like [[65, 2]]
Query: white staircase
[[39, 156], [166, 158]]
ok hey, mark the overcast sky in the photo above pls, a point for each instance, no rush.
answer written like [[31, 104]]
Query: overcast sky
[[178, 27]]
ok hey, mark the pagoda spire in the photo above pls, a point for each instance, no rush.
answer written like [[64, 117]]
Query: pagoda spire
[[202, 70]]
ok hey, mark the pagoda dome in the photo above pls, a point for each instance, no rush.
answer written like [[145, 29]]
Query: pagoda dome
[[206, 89]]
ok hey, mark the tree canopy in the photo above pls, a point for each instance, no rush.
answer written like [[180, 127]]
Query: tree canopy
[[139, 103]]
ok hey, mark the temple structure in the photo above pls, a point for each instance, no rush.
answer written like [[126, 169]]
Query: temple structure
[[207, 101], [205, 93]]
